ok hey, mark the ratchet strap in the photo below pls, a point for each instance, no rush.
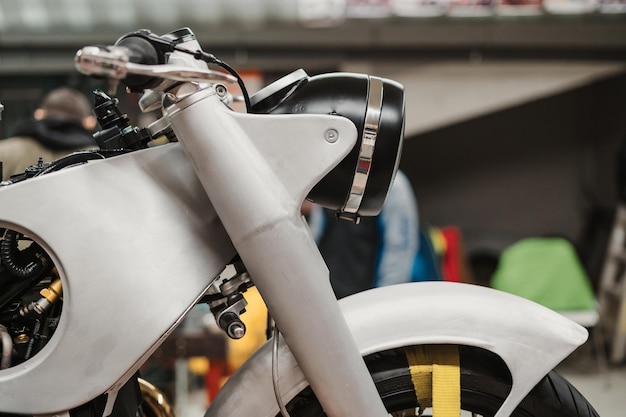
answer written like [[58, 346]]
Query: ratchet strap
[[436, 377]]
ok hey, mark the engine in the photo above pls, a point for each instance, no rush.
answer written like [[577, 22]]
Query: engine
[[30, 297], [31, 294]]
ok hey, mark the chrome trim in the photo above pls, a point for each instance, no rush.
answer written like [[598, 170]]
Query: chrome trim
[[368, 144]]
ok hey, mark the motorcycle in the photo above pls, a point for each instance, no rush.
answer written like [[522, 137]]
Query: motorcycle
[[104, 253]]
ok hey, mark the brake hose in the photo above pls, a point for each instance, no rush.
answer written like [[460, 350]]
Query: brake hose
[[75, 158]]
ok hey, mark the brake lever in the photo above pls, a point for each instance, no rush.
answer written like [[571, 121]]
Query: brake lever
[[113, 63], [179, 73]]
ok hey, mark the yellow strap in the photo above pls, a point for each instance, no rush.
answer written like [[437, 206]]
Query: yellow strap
[[421, 370], [436, 377]]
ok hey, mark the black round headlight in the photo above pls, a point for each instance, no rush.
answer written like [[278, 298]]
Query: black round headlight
[[358, 185]]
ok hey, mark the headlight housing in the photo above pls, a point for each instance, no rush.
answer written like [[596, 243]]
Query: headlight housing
[[358, 185]]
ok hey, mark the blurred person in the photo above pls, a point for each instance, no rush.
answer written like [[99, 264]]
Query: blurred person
[[62, 124], [378, 251]]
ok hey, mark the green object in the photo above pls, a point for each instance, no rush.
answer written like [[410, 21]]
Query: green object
[[547, 271]]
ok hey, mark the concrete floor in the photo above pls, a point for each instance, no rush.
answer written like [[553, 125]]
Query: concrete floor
[[606, 392], [604, 388]]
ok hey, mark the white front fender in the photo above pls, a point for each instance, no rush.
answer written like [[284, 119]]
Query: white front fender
[[531, 339]]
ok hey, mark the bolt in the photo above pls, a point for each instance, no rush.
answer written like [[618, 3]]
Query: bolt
[[331, 136], [236, 330], [221, 90]]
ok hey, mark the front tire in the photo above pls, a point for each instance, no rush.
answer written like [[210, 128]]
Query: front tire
[[485, 384]]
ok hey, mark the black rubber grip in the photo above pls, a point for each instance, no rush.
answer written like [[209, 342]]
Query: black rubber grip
[[141, 51]]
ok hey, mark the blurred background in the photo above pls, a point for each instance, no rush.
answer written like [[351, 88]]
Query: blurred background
[[515, 108], [510, 103]]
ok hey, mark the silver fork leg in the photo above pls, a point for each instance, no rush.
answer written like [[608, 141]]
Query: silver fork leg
[[261, 213]]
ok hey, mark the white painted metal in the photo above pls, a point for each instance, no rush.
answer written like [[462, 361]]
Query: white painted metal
[[531, 339], [257, 171], [136, 242], [136, 235]]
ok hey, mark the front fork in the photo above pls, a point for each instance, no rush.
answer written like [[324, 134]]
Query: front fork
[[256, 171]]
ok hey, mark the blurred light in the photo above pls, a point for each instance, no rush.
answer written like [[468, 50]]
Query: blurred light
[[321, 13], [77, 14], [33, 14]]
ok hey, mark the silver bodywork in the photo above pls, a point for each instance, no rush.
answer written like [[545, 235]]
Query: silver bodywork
[[257, 170], [530, 339], [136, 242], [139, 238]]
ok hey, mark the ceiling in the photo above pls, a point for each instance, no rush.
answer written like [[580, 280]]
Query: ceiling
[[453, 69], [445, 93]]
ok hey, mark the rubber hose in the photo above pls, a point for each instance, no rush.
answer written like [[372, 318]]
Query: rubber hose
[[8, 254]]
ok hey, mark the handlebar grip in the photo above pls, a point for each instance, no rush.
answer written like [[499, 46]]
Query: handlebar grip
[[140, 51]]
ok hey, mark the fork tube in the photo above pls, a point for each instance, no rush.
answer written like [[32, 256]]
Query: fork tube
[[264, 222]]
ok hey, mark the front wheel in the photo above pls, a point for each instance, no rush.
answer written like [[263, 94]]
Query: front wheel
[[485, 384]]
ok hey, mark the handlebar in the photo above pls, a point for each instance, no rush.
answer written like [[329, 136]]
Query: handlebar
[[142, 60], [115, 62]]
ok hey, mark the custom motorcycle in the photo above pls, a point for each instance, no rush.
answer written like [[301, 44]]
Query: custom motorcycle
[[104, 252]]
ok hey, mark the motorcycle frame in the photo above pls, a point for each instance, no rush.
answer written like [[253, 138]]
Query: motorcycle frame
[[234, 184]]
